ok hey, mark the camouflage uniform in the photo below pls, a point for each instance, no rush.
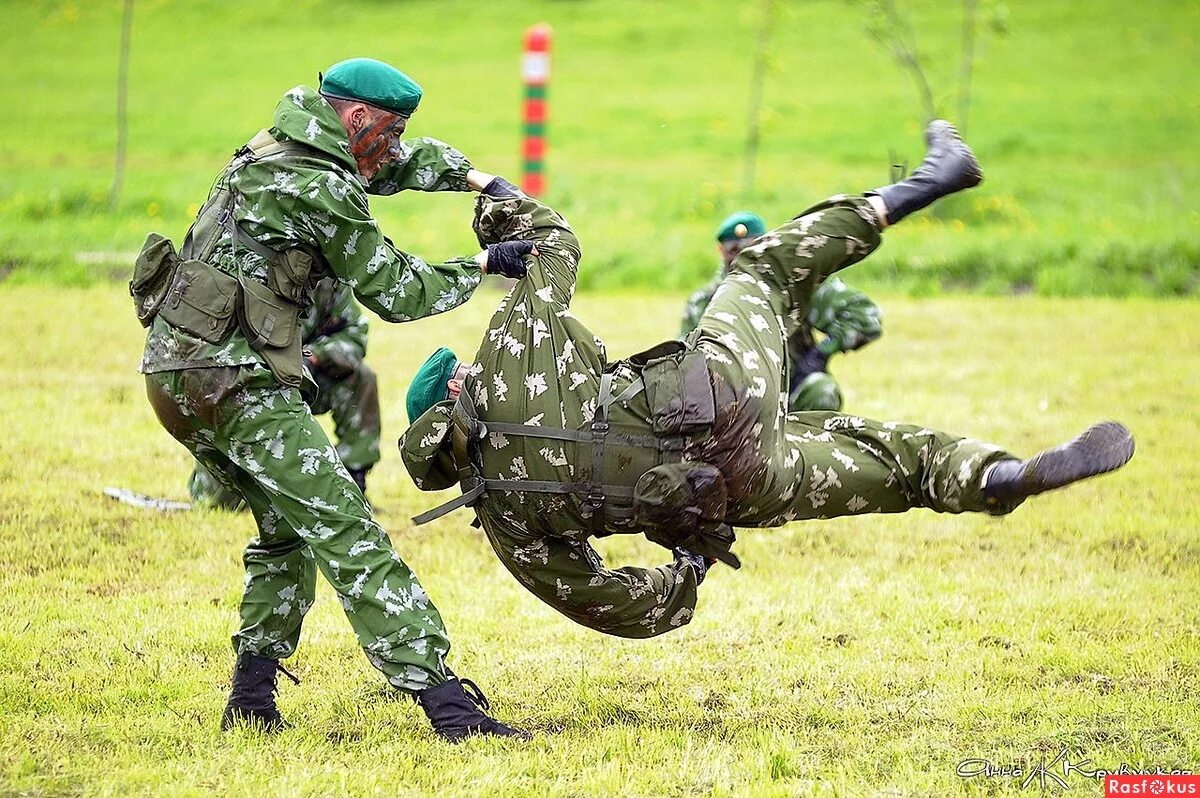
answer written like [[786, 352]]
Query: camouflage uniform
[[848, 319], [334, 331], [539, 365], [259, 438]]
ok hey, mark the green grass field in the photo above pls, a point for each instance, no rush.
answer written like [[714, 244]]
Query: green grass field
[[1085, 116], [853, 657]]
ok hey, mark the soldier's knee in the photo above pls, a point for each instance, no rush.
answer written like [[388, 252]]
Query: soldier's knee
[[818, 391]]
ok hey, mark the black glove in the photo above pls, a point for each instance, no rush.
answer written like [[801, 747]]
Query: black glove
[[810, 362], [699, 564], [499, 188], [508, 258]]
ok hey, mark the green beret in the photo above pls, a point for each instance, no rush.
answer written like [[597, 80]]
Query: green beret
[[374, 82], [751, 225], [429, 385]]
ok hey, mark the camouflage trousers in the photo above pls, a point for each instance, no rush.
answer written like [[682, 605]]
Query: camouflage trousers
[[260, 439], [784, 466], [352, 399]]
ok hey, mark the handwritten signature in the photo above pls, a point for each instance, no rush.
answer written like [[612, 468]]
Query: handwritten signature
[[1054, 771]]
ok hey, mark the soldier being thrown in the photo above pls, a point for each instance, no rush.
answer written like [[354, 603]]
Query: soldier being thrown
[[553, 444], [223, 365]]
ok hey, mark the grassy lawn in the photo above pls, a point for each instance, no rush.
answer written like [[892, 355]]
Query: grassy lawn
[[852, 657], [849, 657], [1085, 116]]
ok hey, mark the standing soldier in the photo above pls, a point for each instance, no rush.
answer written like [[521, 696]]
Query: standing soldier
[[553, 444], [224, 370], [334, 332], [846, 318]]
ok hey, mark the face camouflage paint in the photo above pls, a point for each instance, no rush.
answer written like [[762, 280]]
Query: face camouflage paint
[[377, 143]]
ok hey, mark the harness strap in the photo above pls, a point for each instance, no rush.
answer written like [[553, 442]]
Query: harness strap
[[243, 238], [239, 236], [527, 431], [632, 390], [585, 436], [595, 497], [544, 486], [467, 429], [450, 506]]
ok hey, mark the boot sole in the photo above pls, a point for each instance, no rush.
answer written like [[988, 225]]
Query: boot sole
[[1099, 449], [970, 172], [241, 718]]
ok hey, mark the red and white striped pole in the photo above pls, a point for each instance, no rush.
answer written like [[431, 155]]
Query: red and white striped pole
[[535, 72]]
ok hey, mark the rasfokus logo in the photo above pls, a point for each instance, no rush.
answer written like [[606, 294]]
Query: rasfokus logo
[[1166, 784]]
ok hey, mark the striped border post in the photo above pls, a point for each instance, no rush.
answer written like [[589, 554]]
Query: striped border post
[[535, 72]]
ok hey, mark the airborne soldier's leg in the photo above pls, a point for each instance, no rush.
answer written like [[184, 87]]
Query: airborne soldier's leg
[[766, 295], [830, 465], [743, 333]]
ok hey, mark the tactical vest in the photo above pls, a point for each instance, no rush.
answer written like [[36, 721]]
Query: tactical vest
[[200, 299], [675, 503]]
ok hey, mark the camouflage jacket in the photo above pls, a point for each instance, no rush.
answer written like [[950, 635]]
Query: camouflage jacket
[[848, 318], [539, 365], [321, 201], [334, 329]]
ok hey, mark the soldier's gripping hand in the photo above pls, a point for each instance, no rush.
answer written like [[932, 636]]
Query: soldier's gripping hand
[[699, 564], [508, 258], [499, 188]]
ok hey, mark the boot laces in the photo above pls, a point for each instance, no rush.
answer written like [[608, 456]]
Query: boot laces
[[475, 694], [288, 674]]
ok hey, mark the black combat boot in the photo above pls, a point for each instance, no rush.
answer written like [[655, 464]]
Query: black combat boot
[[1099, 449], [949, 166], [359, 475], [457, 714], [252, 696]]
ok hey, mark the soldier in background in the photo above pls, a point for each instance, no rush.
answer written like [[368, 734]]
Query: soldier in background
[[847, 319], [334, 331]]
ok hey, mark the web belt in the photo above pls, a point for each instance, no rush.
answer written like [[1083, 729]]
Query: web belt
[[594, 491]]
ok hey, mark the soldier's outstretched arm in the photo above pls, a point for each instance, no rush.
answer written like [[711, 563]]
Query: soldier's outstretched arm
[[425, 164], [570, 576], [392, 283]]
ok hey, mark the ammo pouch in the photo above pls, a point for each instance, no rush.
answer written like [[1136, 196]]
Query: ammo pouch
[[677, 388], [681, 504], [271, 324], [200, 301], [152, 274], [208, 303]]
